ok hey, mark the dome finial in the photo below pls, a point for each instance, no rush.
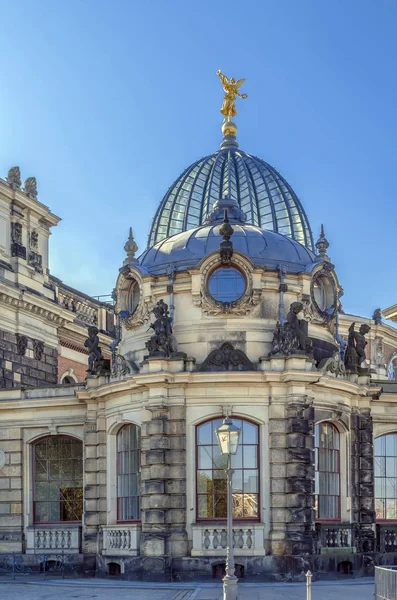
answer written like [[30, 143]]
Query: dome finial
[[131, 248], [230, 206], [322, 245], [228, 109], [226, 246]]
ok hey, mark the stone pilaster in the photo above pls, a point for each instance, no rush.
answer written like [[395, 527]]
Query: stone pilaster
[[300, 479], [155, 499], [95, 485], [278, 474], [362, 478], [11, 500], [175, 485], [163, 474]]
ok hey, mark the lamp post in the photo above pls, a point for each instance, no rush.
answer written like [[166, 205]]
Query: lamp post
[[228, 436]]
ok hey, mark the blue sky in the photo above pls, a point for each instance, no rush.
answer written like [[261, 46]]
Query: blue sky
[[106, 102]]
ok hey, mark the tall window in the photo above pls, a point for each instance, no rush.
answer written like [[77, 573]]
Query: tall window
[[211, 476], [327, 472], [58, 480], [392, 369], [385, 465], [128, 473]]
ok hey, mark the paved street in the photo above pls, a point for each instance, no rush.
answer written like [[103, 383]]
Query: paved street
[[82, 590]]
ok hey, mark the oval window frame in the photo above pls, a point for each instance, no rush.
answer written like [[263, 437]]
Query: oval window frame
[[219, 267]]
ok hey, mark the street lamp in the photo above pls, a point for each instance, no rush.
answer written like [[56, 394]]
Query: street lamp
[[228, 436]]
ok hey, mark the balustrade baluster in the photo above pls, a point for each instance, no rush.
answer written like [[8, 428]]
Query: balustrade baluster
[[215, 540], [223, 538], [249, 539]]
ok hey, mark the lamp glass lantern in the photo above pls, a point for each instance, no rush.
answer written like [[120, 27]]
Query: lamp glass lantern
[[228, 436]]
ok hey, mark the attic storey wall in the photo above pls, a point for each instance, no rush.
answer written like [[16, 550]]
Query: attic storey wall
[[22, 366]]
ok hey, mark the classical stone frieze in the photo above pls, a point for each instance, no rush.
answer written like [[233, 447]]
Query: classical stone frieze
[[26, 305]]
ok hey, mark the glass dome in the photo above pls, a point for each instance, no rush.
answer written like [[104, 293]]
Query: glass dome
[[262, 193]]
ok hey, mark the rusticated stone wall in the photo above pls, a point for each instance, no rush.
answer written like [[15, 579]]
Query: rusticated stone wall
[[26, 362], [11, 503], [362, 478], [300, 479], [163, 476], [94, 484]]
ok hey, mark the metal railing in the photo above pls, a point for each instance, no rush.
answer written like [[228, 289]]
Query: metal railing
[[385, 583]]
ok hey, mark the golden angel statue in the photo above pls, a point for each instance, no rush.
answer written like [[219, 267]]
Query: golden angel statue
[[231, 88]]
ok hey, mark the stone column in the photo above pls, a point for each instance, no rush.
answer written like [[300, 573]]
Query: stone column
[[300, 479], [163, 491], [362, 487]]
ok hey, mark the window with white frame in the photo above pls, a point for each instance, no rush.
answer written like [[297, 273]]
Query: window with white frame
[[128, 473], [327, 482], [58, 479], [385, 472], [211, 477]]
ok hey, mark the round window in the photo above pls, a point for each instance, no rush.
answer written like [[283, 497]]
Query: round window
[[226, 284], [324, 294]]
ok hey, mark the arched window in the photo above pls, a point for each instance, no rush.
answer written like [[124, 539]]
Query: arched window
[[327, 486], [385, 466], [68, 377], [58, 480], [128, 473], [211, 476], [392, 369]]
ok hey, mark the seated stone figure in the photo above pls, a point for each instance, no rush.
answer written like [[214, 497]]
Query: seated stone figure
[[292, 337]]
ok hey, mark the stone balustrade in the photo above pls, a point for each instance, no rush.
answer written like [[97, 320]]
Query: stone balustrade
[[335, 536], [121, 539], [387, 538], [53, 539], [84, 312], [211, 540]]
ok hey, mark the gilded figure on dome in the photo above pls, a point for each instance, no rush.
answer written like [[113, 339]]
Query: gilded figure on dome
[[231, 88]]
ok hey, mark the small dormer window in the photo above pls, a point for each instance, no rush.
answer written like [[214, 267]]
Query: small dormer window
[[226, 284]]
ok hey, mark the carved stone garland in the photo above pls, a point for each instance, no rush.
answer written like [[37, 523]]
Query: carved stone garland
[[243, 305]]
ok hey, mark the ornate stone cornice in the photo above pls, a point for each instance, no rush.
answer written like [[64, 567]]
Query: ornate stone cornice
[[45, 310]]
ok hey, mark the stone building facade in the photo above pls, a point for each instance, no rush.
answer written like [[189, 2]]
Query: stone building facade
[[43, 322], [122, 470]]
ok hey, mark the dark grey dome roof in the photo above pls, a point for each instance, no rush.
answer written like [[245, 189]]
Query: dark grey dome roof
[[265, 196], [265, 248]]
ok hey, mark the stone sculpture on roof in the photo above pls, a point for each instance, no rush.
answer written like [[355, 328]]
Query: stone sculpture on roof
[[292, 337]]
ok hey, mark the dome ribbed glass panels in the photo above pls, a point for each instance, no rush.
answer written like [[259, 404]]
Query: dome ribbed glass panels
[[263, 194]]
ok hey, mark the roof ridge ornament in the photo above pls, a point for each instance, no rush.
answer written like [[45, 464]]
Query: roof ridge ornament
[[130, 247], [322, 245], [228, 109]]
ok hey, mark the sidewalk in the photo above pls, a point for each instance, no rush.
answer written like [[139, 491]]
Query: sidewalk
[[122, 590]]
